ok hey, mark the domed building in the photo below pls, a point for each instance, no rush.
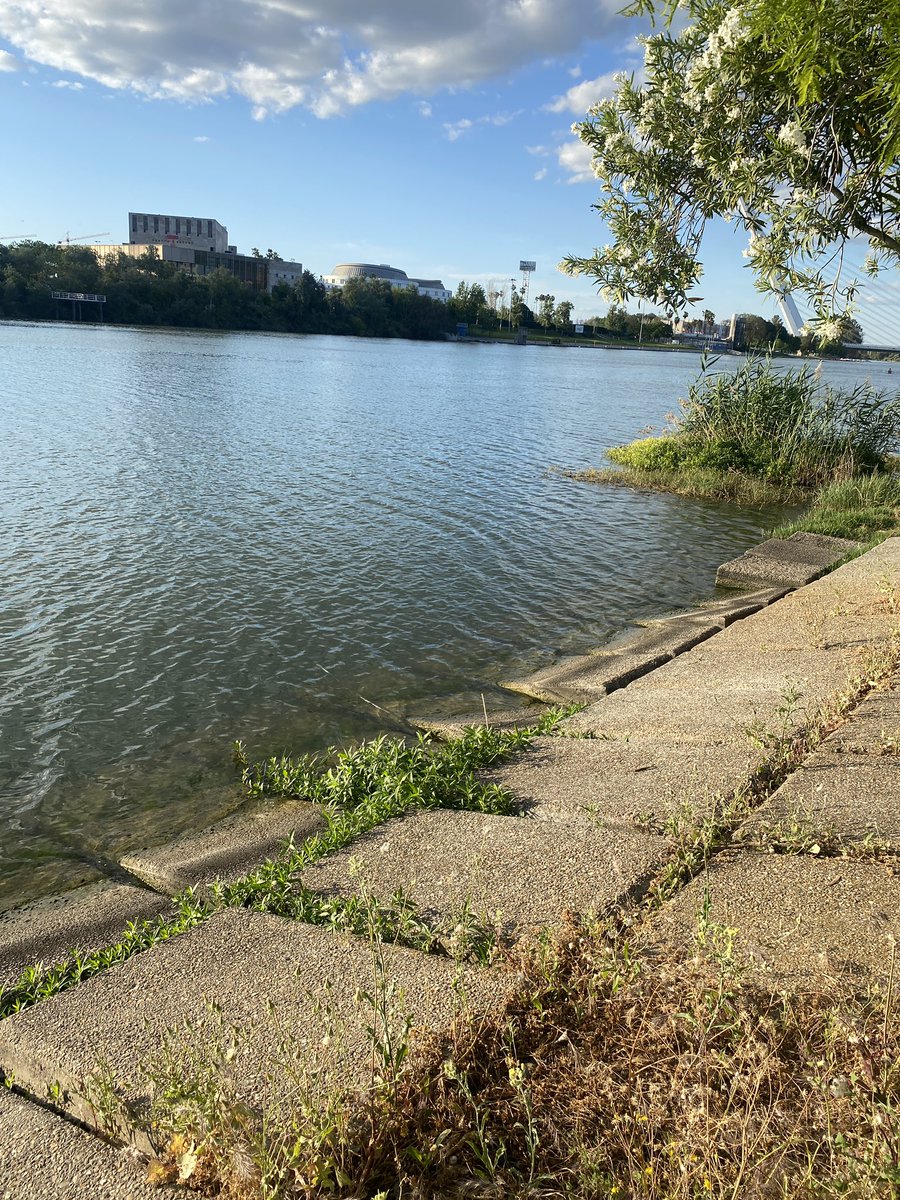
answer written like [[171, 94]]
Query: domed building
[[344, 272]]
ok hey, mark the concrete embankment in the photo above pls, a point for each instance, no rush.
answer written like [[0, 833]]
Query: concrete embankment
[[789, 701]]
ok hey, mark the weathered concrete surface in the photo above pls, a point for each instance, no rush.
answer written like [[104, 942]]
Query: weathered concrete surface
[[505, 718], [84, 919], [768, 673], [275, 980], [620, 784], [848, 797], [226, 850], [520, 874], [848, 789], [585, 677], [797, 917], [45, 1157], [794, 561]]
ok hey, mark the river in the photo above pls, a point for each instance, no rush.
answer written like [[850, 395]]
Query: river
[[210, 536]]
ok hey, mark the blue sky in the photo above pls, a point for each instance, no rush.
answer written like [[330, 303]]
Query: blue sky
[[433, 137]]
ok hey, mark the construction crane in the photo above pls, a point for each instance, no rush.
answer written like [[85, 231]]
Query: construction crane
[[85, 237], [14, 237]]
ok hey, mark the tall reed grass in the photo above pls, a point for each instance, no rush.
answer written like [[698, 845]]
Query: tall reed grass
[[784, 427]]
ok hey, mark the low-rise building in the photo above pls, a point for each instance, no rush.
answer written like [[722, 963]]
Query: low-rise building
[[344, 272]]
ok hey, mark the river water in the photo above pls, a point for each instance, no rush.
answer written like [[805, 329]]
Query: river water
[[209, 536]]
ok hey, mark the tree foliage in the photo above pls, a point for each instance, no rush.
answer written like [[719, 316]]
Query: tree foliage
[[780, 115], [147, 291]]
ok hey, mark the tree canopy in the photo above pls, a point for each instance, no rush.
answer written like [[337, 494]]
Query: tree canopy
[[780, 115]]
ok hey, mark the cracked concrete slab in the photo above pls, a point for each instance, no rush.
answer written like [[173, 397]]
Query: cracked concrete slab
[[284, 985], [798, 918], [614, 784], [225, 850], [84, 919], [520, 874], [45, 1157]]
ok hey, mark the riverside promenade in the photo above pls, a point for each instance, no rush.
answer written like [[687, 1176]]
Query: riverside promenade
[[772, 716]]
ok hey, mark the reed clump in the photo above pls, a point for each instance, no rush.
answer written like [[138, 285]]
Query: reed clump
[[763, 434]]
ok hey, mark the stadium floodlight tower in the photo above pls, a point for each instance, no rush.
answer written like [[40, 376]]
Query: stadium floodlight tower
[[527, 267]]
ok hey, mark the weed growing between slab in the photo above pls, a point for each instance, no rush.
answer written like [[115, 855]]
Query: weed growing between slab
[[360, 788], [615, 1070]]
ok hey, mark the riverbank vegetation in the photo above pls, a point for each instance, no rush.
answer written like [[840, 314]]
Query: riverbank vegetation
[[145, 291], [759, 435]]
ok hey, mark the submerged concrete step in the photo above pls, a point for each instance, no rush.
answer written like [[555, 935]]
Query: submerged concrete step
[[519, 875], [770, 672], [796, 560], [84, 919], [294, 993], [797, 918], [447, 728], [616, 784], [45, 1157], [225, 850]]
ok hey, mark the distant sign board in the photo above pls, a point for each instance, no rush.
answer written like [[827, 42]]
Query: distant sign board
[[579, 329], [527, 265]]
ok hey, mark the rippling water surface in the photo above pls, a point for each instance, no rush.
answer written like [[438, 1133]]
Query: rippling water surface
[[212, 536]]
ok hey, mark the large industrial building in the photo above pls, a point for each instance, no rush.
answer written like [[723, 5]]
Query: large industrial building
[[344, 272], [198, 246]]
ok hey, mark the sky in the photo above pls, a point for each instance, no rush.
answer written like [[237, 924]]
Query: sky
[[433, 137]]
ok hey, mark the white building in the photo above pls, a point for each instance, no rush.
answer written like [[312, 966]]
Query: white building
[[344, 272]]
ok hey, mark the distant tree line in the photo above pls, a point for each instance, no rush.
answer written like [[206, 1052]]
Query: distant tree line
[[146, 291]]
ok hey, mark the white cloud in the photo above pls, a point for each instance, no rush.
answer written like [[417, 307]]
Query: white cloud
[[541, 174], [455, 129], [8, 62], [575, 72], [425, 109], [327, 55], [69, 83], [575, 157], [539, 151], [201, 138], [579, 98]]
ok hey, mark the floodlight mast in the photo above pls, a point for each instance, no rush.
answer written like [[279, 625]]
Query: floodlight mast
[[527, 267]]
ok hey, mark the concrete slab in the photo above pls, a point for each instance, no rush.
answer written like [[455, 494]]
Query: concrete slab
[[794, 561], [622, 785], [798, 918], [733, 607], [588, 676], [520, 874], [873, 728], [447, 728], [226, 850], [852, 797], [45, 1157], [84, 919], [284, 985]]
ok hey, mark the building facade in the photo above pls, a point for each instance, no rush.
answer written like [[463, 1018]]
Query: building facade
[[344, 272], [196, 233]]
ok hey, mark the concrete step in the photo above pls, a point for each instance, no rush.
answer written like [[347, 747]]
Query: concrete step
[[225, 850], [516, 874], [84, 919], [798, 919], [289, 989], [618, 784], [794, 561], [448, 728], [45, 1157]]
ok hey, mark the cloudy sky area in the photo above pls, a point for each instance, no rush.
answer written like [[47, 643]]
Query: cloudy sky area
[[435, 137]]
